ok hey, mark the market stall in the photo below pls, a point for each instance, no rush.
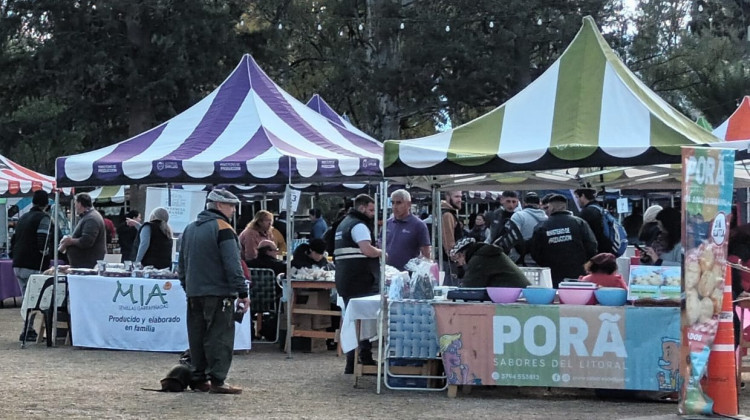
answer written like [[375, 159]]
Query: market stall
[[248, 131], [586, 119]]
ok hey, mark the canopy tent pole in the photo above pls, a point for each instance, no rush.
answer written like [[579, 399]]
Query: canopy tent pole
[[381, 312], [437, 226], [288, 285], [263, 204], [52, 341]]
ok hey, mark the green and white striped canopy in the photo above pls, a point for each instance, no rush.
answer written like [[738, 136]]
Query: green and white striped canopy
[[586, 110]]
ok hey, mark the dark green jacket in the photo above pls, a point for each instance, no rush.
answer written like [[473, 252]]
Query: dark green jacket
[[488, 266]]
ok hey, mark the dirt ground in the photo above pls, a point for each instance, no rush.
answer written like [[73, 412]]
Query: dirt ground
[[71, 382]]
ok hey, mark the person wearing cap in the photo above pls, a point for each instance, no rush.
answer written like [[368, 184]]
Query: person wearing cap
[[406, 235], [268, 254], [526, 220], [88, 244], [563, 242], [500, 217], [591, 212], [31, 244], [486, 265], [211, 274], [602, 269], [312, 254], [357, 264]]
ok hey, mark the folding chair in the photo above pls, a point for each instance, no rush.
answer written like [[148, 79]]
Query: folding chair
[[264, 298], [44, 306]]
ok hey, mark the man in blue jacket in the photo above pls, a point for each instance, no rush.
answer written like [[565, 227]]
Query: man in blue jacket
[[211, 273]]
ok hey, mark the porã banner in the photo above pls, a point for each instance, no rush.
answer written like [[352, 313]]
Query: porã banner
[[707, 185]]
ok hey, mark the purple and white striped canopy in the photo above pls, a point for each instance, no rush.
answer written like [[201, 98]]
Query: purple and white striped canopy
[[247, 131]]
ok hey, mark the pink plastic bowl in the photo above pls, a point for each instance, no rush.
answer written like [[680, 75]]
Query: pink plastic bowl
[[576, 296], [504, 294]]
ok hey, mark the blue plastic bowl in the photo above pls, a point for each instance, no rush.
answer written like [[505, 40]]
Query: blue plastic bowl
[[611, 296], [539, 295]]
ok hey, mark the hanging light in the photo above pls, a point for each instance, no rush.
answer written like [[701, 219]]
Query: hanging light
[[320, 26], [539, 22], [700, 7], [492, 24], [361, 26], [341, 32], [447, 28], [401, 26], [280, 26]]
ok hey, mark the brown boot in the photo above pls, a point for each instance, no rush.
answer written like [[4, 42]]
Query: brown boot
[[224, 389], [204, 386]]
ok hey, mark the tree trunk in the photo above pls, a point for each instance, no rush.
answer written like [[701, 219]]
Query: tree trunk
[[140, 108]]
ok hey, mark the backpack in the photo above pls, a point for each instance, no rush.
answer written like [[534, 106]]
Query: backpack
[[614, 232]]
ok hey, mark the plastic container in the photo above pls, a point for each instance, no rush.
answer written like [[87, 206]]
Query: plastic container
[[576, 296], [539, 295], [504, 294], [611, 296]]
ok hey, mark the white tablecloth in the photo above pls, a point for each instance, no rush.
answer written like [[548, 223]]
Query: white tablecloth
[[129, 313], [365, 309], [34, 287]]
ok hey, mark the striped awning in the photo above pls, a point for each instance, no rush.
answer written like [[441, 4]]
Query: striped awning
[[247, 131], [16, 180], [586, 110], [737, 126]]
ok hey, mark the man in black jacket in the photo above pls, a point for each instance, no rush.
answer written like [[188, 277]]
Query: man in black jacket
[[563, 242], [31, 244], [591, 212], [508, 205]]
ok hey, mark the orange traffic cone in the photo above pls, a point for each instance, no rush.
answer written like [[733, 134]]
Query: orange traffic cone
[[721, 381]]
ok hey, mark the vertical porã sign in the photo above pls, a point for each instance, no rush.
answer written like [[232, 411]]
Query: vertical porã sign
[[707, 184]]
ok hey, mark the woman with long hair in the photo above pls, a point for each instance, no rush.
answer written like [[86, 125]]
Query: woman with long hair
[[667, 248], [256, 231], [154, 241]]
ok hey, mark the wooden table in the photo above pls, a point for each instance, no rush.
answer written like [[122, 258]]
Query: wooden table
[[294, 310]]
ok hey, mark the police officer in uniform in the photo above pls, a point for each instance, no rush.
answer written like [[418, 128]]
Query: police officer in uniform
[[357, 264]]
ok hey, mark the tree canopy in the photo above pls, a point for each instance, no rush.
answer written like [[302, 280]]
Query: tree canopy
[[80, 75]]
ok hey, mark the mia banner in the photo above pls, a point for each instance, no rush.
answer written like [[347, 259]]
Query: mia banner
[[707, 185], [128, 313]]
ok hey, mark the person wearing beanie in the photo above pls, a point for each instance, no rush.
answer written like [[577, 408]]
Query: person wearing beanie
[[602, 269], [486, 265], [210, 272], [312, 254], [31, 246], [650, 228]]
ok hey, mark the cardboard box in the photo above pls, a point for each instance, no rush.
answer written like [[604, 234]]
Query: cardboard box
[[313, 299]]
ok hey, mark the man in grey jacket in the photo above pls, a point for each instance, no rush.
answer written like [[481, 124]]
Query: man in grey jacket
[[526, 220], [211, 273], [88, 244]]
